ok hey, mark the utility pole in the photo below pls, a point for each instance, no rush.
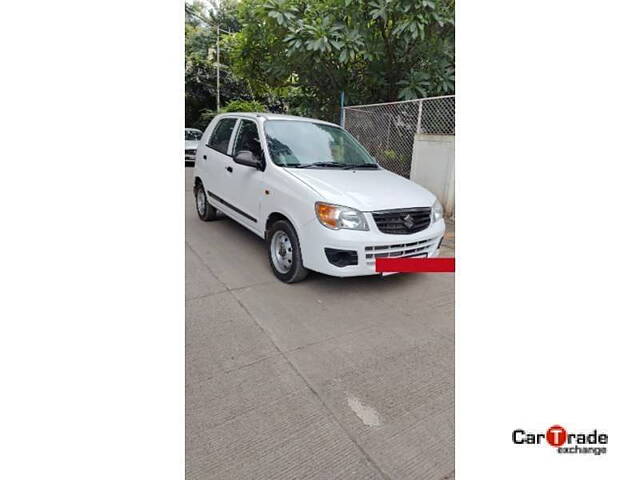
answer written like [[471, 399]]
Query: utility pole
[[217, 68], [216, 9]]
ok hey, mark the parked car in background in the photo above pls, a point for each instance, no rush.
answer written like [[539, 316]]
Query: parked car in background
[[314, 194], [192, 138]]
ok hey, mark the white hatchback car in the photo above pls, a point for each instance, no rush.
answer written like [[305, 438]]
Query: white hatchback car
[[313, 193], [192, 138]]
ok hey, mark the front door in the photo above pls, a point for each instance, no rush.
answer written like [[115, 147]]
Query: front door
[[246, 185]]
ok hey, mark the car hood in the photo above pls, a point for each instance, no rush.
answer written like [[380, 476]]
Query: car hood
[[191, 144], [366, 190]]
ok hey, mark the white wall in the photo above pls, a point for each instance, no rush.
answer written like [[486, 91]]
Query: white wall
[[432, 166]]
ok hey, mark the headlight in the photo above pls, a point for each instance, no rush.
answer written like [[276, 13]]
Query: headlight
[[336, 217], [436, 212]]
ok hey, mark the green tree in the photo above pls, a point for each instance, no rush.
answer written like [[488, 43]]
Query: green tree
[[233, 106], [200, 58], [373, 50]]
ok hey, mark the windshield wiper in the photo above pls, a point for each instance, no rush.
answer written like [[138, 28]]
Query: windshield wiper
[[321, 164], [360, 165], [344, 166]]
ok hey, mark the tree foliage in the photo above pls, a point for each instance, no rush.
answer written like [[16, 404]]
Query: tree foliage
[[373, 50], [297, 56], [243, 106], [200, 62]]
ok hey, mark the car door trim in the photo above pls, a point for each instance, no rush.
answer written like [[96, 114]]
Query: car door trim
[[232, 207]]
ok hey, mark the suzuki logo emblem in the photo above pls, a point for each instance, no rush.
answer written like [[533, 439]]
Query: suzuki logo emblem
[[408, 221]]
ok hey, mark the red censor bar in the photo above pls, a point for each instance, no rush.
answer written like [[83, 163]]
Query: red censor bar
[[415, 265]]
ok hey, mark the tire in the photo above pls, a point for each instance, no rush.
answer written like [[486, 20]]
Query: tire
[[206, 211], [283, 250]]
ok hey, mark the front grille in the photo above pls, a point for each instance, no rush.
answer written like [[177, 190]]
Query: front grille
[[403, 221], [190, 152], [413, 249]]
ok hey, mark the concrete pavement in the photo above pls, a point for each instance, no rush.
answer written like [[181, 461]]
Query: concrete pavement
[[325, 379]]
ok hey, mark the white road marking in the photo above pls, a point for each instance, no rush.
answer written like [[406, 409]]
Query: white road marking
[[367, 414]]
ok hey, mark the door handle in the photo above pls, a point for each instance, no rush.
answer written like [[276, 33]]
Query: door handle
[[229, 169]]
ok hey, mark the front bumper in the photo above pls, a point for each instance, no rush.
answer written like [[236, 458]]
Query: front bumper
[[314, 238]]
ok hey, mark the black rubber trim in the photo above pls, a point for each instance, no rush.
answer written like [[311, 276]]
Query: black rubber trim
[[232, 207], [341, 258]]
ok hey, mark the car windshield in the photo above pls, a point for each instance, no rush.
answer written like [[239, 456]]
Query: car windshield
[[192, 134], [300, 144]]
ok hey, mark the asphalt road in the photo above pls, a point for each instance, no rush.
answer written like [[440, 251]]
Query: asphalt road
[[325, 379]]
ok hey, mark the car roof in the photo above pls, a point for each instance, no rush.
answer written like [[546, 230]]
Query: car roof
[[274, 116]]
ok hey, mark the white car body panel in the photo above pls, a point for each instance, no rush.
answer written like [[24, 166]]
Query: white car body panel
[[249, 196], [366, 190]]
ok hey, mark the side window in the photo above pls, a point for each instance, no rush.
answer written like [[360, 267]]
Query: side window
[[219, 139], [248, 138]]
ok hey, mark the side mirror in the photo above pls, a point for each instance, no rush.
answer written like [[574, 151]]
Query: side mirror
[[247, 158]]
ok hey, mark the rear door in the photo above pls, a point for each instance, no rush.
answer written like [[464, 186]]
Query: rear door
[[247, 183], [216, 158]]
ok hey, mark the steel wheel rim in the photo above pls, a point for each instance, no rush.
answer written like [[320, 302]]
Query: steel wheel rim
[[200, 202], [281, 252]]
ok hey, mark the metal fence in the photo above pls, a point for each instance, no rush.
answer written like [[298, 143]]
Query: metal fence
[[387, 130]]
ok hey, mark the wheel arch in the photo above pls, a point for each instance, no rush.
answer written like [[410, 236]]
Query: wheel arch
[[273, 218]]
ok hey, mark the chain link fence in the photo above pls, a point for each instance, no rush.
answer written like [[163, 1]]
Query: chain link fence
[[387, 130]]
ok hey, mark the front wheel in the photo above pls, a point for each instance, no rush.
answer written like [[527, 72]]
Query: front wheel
[[283, 249]]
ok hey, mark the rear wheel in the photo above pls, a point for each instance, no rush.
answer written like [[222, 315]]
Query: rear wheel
[[206, 211], [283, 249]]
